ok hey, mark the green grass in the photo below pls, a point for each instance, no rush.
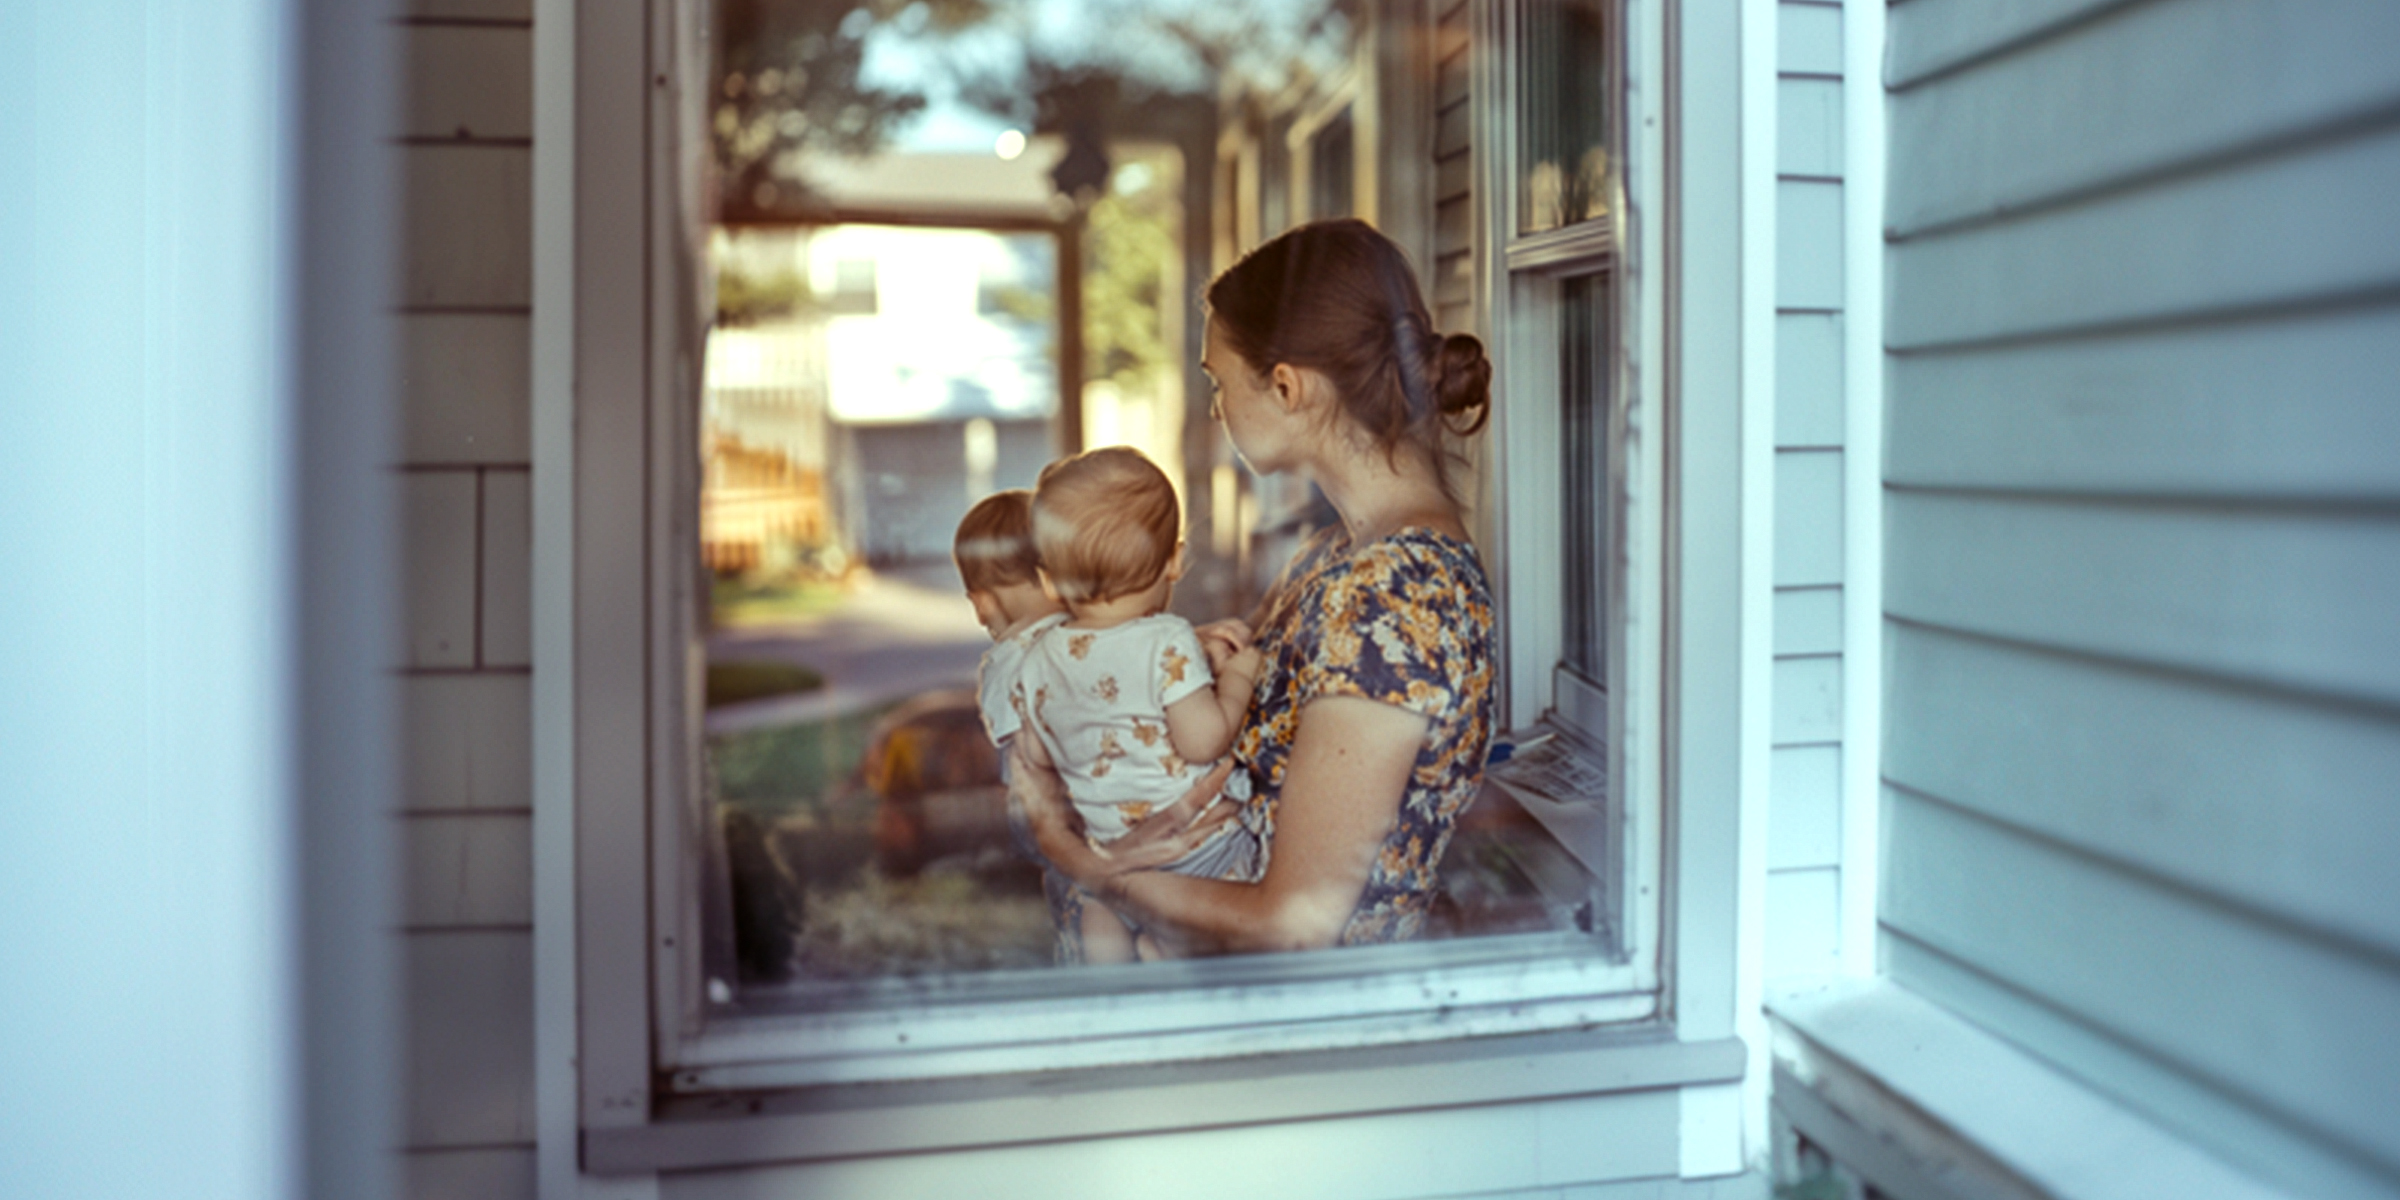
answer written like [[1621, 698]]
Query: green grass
[[791, 768], [734, 682], [737, 603]]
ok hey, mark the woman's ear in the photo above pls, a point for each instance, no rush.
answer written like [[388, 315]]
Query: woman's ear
[[1289, 387]]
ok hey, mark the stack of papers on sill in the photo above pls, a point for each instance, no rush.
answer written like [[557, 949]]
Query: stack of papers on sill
[[1564, 785]]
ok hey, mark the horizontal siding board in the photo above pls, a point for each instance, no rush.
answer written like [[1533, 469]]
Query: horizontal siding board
[[1452, 227], [482, 10], [466, 384], [469, 226], [1808, 620], [507, 621], [1453, 177], [2296, 1025], [2248, 1138], [472, 81], [1936, 35], [2270, 802], [2274, 232], [466, 742], [1450, 34], [437, 537], [469, 1038], [1452, 130], [2298, 599], [2066, 115], [1808, 699], [1450, 79], [1547, 1145], [2290, 408], [480, 1174], [1808, 38], [1808, 127], [1454, 318], [1804, 922], [1808, 244], [1808, 517], [1809, 395], [467, 870], [1804, 808]]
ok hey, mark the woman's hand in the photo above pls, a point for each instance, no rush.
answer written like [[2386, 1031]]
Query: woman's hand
[[1222, 640], [1158, 839]]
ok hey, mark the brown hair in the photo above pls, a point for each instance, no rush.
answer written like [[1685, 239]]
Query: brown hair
[[1105, 523], [1339, 298], [994, 546]]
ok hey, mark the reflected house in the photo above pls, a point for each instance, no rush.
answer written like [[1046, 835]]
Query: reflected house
[[941, 376]]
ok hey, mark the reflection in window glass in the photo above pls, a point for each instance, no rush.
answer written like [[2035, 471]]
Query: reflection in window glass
[[1583, 428], [861, 821], [1564, 114], [1330, 170]]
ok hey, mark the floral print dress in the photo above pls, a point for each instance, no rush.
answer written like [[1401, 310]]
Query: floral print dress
[[1405, 620]]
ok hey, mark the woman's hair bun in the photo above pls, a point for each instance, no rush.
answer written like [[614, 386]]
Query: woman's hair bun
[[1462, 382]]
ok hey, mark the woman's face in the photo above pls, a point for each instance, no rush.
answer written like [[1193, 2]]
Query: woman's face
[[1247, 405]]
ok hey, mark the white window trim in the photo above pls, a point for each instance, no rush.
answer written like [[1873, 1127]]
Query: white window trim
[[601, 365]]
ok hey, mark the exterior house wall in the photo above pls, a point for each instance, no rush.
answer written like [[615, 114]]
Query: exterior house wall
[[464, 153], [2141, 549], [1804, 841]]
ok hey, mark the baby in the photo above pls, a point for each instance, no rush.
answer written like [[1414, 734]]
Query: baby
[[994, 552], [1119, 696]]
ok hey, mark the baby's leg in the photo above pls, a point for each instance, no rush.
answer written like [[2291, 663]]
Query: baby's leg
[[1105, 938]]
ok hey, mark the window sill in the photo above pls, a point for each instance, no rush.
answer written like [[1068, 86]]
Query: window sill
[[851, 1120], [1920, 1102]]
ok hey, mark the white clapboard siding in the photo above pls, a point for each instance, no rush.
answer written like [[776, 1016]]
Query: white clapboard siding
[[437, 524], [469, 1037], [507, 548], [466, 869], [1488, 1150], [2263, 799], [2142, 681], [2298, 408], [468, 226], [1808, 517], [2057, 119], [1808, 244], [1808, 127], [1804, 929], [464, 383], [1808, 39], [1804, 824], [2291, 1022], [1808, 620], [1809, 397], [1808, 699], [467, 741], [467, 82], [2273, 232], [2294, 597], [477, 1174]]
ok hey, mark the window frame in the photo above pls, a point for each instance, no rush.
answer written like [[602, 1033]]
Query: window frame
[[624, 979]]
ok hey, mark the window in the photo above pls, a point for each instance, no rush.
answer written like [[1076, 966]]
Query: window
[[1577, 558]]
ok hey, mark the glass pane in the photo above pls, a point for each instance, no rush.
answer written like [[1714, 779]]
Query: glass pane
[[1563, 116], [1583, 425]]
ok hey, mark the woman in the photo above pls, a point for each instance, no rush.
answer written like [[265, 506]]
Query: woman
[[1369, 723]]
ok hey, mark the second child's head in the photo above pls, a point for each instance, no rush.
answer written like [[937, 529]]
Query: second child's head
[[995, 556], [1106, 526]]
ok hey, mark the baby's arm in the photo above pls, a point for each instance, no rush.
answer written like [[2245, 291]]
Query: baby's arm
[[1202, 724]]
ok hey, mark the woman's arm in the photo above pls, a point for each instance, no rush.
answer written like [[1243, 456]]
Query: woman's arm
[[1349, 767]]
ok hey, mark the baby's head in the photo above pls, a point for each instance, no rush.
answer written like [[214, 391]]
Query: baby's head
[[1105, 526], [994, 552]]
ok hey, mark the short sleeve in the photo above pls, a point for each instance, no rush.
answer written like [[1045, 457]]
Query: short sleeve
[[1178, 667], [995, 690], [1388, 627]]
